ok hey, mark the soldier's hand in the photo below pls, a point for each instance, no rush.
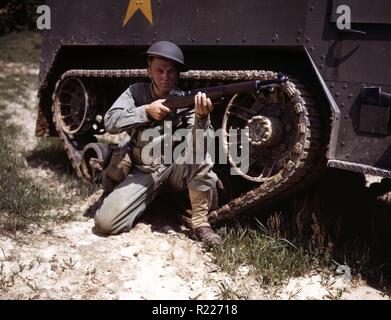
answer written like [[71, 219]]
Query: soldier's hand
[[203, 105], [157, 110]]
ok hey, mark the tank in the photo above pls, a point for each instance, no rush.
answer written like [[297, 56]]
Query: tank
[[333, 112]]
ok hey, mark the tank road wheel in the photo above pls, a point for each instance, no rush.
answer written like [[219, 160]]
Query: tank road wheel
[[272, 138], [72, 109], [73, 115], [274, 128]]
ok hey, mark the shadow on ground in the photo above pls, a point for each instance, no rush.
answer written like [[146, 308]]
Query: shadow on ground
[[50, 154]]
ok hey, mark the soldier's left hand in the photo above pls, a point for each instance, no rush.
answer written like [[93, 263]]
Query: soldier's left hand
[[203, 105]]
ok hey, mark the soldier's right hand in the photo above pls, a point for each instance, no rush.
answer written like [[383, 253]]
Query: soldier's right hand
[[157, 110]]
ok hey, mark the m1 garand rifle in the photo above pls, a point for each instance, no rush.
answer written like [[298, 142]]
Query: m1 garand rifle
[[185, 99]]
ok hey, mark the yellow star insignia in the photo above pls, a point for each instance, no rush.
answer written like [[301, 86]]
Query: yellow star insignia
[[144, 5]]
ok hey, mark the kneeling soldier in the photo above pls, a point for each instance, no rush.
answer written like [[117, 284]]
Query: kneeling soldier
[[139, 107]]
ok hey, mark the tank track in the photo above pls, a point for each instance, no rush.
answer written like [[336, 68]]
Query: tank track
[[304, 158]]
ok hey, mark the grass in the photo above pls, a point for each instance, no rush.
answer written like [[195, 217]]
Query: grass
[[336, 222], [227, 293], [51, 151], [21, 47], [23, 201], [12, 90], [272, 258]]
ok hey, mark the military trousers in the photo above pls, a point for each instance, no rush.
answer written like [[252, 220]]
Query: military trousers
[[131, 197]]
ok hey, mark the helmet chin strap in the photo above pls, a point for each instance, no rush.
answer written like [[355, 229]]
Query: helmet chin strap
[[153, 81], [155, 84]]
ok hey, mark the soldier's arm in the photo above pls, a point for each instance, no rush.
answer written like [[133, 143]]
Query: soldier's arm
[[202, 122], [124, 114], [199, 118]]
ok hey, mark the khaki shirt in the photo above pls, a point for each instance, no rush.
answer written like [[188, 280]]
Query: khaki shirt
[[128, 114]]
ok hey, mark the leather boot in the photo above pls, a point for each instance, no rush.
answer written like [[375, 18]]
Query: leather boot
[[208, 236], [200, 203]]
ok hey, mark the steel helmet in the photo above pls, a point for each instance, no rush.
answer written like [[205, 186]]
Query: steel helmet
[[167, 50]]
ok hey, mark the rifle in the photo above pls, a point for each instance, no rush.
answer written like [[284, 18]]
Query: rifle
[[185, 99]]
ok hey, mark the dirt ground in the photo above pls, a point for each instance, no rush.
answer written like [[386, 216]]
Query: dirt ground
[[153, 261]]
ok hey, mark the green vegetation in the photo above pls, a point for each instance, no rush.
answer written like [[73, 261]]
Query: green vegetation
[[51, 151], [18, 15], [23, 200], [23, 47], [337, 222], [19, 55], [272, 258]]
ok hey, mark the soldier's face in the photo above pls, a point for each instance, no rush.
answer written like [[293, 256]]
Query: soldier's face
[[165, 75]]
